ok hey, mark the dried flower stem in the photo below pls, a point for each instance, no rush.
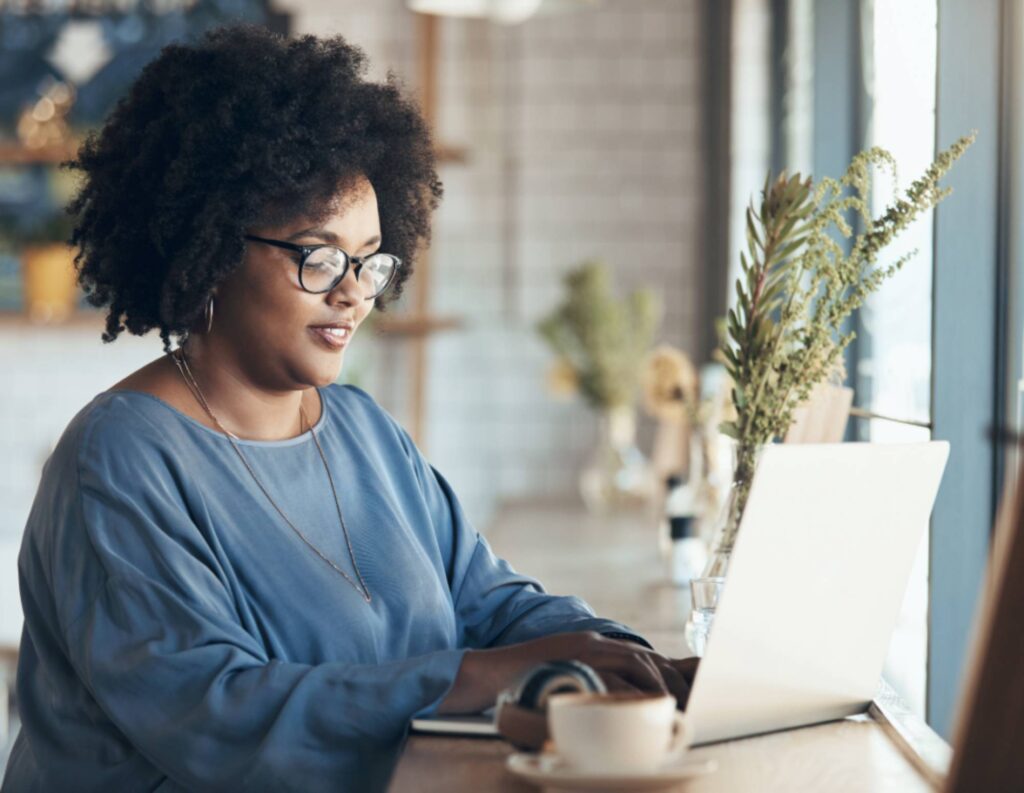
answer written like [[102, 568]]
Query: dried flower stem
[[799, 285]]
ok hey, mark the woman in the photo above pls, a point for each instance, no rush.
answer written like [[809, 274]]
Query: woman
[[236, 575]]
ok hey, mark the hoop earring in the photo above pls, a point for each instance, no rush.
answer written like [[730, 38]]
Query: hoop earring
[[208, 314]]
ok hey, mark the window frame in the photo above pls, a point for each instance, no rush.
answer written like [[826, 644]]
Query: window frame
[[968, 326], [978, 294]]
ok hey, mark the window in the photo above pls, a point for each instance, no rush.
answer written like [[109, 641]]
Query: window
[[894, 328]]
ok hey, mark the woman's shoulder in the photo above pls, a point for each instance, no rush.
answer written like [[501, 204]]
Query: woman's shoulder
[[350, 395], [353, 407], [122, 415], [110, 451], [115, 428], [358, 407]]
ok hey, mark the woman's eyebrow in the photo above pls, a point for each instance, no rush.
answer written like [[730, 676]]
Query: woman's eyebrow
[[315, 231], [330, 236]]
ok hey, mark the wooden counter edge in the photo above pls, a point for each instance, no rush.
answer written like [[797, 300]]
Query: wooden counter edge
[[920, 744]]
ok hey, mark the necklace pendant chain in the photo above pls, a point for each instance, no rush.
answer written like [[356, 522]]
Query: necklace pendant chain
[[178, 356]]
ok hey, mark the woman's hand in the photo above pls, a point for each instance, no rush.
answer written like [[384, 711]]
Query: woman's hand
[[623, 665], [677, 673], [687, 668]]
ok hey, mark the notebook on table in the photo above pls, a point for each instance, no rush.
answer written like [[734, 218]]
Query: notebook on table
[[472, 724]]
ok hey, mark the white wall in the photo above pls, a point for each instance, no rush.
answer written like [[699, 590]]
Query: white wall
[[48, 375]]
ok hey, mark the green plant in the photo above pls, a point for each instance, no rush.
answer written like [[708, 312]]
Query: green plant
[[799, 283], [601, 339]]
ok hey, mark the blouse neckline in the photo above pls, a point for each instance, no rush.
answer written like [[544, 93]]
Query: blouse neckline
[[302, 438]]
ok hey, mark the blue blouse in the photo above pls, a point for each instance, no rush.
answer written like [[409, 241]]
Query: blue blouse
[[179, 635]]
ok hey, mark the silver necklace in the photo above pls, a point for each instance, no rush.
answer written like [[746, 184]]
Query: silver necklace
[[178, 356]]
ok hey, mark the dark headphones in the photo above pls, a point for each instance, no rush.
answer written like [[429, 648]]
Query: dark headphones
[[521, 712]]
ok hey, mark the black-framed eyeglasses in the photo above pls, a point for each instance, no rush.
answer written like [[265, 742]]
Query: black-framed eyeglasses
[[323, 267]]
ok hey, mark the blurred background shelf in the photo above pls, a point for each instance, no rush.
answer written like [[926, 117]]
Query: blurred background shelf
[[414, 325], [14, 153], [84, 319]]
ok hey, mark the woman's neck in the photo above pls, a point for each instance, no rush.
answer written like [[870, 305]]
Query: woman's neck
[[241, 404]]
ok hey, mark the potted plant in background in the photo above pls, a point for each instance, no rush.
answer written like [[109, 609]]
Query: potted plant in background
[[798, 285], [600, 343], [49, 289]]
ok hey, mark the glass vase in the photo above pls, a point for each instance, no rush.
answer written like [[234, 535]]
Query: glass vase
[[745, 459], [617, 475]]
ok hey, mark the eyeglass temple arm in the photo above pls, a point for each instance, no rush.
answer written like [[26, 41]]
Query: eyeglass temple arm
[[288, 246]]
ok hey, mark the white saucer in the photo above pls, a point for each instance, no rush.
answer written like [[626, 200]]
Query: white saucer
[[549, 770]]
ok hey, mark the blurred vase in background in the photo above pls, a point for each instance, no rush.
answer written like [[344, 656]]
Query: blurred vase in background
[[617, 475], [600, 341]]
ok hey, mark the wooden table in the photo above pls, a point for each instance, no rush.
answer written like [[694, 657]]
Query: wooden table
[[613, 564]]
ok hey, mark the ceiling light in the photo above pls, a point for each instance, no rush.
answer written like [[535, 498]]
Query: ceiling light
[[506, 12]]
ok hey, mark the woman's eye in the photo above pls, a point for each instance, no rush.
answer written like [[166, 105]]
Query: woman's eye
[[325, 258]]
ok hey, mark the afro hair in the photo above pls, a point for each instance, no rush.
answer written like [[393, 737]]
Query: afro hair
[[243, 128]]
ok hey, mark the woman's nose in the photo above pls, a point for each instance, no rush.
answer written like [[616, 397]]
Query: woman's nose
[[350, 286]]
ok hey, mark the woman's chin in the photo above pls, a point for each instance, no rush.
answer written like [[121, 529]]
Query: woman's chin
[[327, 374], [313, 368]]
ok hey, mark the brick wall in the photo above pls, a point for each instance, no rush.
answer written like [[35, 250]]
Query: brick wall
[[582, 133]]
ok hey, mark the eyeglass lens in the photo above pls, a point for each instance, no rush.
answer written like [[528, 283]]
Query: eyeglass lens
[[325, 267]]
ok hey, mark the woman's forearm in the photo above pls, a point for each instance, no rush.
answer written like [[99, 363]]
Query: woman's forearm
[[481, 677]]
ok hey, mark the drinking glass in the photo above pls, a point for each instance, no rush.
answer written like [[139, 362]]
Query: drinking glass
[[704, 593]]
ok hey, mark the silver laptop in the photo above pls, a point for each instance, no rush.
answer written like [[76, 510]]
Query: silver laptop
[[818, 575], [817, 579]]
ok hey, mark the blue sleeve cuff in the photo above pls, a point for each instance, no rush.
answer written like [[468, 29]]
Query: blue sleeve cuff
[[629, 637]]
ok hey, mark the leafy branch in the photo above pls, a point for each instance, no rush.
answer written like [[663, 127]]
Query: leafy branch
[[602, 339], [799, 283]]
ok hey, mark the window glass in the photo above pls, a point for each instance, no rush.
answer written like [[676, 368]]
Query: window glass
[[750, 145], [894, 370], [1014, 395]]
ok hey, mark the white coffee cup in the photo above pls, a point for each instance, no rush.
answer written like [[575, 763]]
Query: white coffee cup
[[617, 733]]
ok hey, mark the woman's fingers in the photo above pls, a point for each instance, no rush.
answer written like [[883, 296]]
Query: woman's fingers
[[635, 665], [629, 665], [687, 667], [676, 682], [652, 671]]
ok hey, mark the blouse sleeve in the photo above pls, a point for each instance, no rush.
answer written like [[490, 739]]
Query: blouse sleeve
[[161, 649], [494, 604]]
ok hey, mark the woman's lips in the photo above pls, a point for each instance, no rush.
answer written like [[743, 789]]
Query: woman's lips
[[333, 341]]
